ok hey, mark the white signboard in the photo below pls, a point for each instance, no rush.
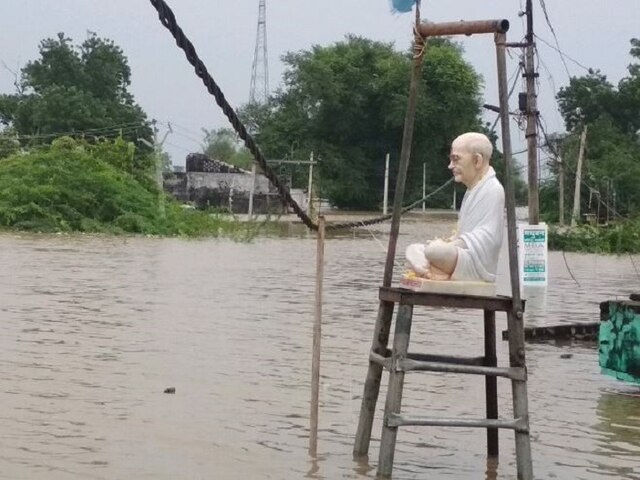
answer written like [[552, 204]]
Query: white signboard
[[532, 254]]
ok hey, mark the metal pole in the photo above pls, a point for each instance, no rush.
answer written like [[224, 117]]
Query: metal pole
[[424, 185], [309, 197], [575, 216], [385, 200], [405, 154], [532, 121], [317, 335], [253, 186], [561, 189], [515, 317]]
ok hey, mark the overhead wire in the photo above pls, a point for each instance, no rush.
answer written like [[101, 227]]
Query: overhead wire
[[553, 32]]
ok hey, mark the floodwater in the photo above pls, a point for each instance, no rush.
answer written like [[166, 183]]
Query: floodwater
[[95, 328]]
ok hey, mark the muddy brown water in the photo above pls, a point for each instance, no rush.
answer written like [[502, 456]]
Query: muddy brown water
[[94, 329]]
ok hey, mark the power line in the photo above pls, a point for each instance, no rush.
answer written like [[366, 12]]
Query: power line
[[562, 53], [553, 32]]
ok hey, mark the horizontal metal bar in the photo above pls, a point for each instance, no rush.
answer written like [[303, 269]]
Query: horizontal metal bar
[[514, 373], [380, 360], [425, 357], [396, 420], [429, 29], [408, 297]]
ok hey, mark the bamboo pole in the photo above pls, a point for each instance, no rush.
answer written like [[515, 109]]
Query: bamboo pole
[[317, 335], [405, 154]]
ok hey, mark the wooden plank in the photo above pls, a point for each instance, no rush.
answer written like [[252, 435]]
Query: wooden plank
[[409, 297]]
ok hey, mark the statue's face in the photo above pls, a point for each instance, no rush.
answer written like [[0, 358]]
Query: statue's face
[[465, 166]]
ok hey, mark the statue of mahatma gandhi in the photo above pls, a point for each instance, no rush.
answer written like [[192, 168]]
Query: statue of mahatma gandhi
[[471, 254]]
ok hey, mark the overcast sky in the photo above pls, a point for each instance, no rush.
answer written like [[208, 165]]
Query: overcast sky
[[594, 33]]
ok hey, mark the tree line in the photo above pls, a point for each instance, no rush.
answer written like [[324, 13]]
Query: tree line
[[344, 102]]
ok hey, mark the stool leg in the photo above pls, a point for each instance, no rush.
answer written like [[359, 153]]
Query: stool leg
[[394, 392], [491, 383], [372, 382], [519, 390]]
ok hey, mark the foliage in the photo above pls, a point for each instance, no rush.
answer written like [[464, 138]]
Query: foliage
[[222, 144], [347, 102], [79, 90], [618, 238], [612, 156], [67, 187]]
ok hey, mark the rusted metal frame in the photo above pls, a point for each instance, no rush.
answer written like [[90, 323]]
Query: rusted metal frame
[[397, 420], [394, 391], [385, 361], [371, 392], [425, 357], [405, 155], [429, 29], [491, 383], [408, 365], [515, 317], [400, 295]]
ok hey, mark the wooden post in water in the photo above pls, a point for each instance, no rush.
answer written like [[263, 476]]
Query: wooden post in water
[[317, 334]]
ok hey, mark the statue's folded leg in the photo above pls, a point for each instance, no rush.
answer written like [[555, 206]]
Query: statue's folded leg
[[416, 259], [442, 255]]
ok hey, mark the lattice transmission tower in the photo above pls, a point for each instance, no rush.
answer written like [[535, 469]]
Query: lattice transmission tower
[[259, 91]]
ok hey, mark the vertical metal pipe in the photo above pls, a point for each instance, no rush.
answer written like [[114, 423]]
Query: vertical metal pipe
[[372, 383], [405, 154], [317, 336], [394, 393], [491, 383], [515, 316], [503, 88]]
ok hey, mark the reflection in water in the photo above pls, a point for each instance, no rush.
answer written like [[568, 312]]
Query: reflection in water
[[618, 413], [94, 330]]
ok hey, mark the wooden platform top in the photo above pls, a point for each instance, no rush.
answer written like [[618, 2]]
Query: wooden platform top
[[404, 296]]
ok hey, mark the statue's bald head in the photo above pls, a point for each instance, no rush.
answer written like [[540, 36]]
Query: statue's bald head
[[475, 144]]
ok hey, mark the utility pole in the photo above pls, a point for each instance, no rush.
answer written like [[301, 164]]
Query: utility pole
[[157, 156], [575, 217], [532, 120]]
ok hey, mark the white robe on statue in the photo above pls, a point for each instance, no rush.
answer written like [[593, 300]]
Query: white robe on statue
[[481, 227]]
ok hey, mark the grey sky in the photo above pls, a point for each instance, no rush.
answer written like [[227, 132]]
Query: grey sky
[[596, 33]]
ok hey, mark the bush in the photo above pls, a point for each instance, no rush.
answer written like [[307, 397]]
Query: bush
[[619, 238], [69, 188]]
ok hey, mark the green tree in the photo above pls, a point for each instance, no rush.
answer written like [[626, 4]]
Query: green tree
[[612, 163], [346, 103], [222, 144], [74, 90]]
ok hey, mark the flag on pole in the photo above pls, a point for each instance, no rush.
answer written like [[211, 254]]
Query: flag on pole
[[402, 6]]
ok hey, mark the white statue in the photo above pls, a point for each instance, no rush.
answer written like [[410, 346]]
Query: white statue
[[472, 252]]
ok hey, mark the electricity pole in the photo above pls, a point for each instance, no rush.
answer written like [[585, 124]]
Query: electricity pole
[[532, 120]]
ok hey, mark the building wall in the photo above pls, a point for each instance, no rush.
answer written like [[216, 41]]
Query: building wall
[[228, 191]]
